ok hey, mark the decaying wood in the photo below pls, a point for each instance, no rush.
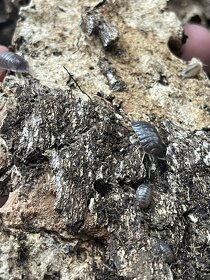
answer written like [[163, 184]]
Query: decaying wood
[[84, 146], [72, 167]]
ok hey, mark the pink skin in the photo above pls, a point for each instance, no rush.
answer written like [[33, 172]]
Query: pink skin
[[197, 44], [3, 72]]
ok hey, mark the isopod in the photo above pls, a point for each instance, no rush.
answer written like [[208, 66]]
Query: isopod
[[166, 252], [192, 70], [149, 138], [144, 195], [13, 62]]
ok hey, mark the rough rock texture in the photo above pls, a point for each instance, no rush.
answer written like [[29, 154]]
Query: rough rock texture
[[197, 11], [70, 160]]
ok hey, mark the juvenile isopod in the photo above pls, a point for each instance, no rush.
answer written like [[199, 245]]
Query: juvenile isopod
[[192, 70], [144, 195], [13, 62], [149, 138], [166, 252]]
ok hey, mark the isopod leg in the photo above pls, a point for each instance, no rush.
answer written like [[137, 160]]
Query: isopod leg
[[143, 157]]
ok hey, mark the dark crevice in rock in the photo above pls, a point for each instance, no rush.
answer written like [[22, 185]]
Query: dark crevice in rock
[[8, 19], [102, 187]]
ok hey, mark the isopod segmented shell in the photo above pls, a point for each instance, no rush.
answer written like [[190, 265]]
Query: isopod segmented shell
[[144, 195], [13, 62], [192, 70], [149, 138], [166, 252]]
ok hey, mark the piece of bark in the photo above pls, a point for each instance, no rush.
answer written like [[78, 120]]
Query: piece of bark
[[109, 236], [85, 146]]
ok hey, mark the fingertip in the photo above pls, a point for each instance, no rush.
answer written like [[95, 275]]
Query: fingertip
[[2, 75], [3, 72], [3, 49]]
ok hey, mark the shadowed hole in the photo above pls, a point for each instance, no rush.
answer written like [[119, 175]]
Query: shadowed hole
[[195, 19], [101, 187]]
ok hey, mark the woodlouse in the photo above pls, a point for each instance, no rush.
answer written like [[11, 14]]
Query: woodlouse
[[166, 252], [13, 62], [192, 70], [144, 195], [149, 138]]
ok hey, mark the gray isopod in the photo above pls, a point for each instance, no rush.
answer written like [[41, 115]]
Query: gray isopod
[[13, 62], [144, 195], [149, 138], [166, 252]]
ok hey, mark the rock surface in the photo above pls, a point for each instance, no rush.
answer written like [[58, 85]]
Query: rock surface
[[69, 159]]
